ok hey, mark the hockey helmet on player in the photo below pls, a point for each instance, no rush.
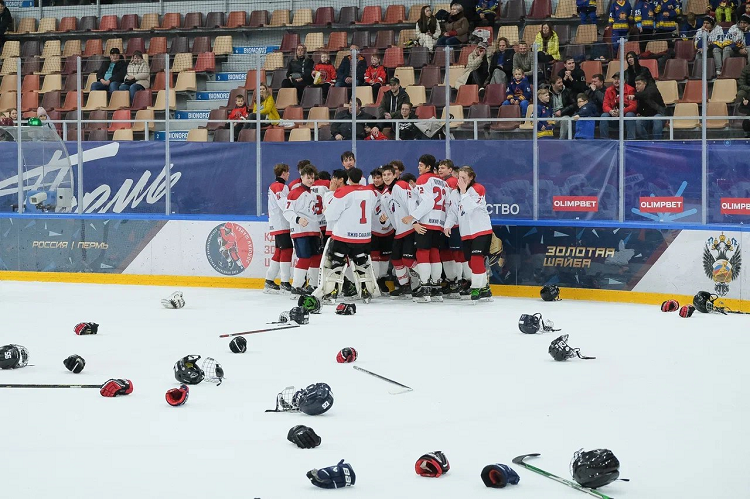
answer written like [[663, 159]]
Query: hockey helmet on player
[[529, 324], [299, 315], [315, 399], [594, 468], [550, 292], [13, 356], [186, 370], [309, 303]]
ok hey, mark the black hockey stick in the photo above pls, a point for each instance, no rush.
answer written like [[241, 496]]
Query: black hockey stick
[[408, 389], [14, 385], [519, 460], [259, 330]]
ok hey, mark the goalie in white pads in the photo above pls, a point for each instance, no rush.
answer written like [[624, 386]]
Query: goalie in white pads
[[349, 213]]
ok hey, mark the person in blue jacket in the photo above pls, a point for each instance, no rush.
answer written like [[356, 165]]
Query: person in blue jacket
[[585, 129]]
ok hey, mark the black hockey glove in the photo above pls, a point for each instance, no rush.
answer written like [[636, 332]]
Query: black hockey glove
[[303, 437], [86, 328]]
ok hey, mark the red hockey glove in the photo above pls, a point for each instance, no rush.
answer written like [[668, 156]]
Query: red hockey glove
[[115, 387], [86, 328], [670, 306]]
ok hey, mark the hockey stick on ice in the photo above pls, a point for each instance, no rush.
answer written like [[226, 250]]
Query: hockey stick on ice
[[259, 331], [519, 460], [407, 388], [14, 385]]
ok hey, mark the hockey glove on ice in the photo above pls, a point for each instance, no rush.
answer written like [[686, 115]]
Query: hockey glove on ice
[[86, 328], [346, 309], [687, 311], [303, 437], [346, 355], [432, 464], [115, 387], [498, 476], [670, 306], [333, 477], [174, 301]]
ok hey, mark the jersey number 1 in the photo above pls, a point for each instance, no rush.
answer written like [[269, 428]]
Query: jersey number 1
[[362, 206]]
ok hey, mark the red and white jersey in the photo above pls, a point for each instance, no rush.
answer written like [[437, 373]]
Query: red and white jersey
[[327, 198], [320, 187], [451, 205], [277, 193], [473, 219], [430, 193], [294, 183], [379, 228], [303, 203], [351, 211], [398, 204]]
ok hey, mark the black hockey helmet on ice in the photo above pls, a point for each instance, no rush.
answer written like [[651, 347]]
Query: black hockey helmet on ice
[[186, 370], [530, 324], [315, 399], [550, 292], [594, 468], [299, 315], [13, 356], [309, 303], [703, 301]]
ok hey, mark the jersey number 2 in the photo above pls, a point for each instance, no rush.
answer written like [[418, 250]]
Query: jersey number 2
[[439, 201]]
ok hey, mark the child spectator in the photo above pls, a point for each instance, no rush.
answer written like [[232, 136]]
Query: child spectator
[[544, 129], [240, 113], [519, 91], [324, 74], [375, 75], [587, 11], [376, 134], [585, 129]]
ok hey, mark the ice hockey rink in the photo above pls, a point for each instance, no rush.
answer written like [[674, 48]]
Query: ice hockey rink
[[669, 396]]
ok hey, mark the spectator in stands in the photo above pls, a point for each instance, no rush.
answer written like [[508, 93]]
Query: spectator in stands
[[587, 11], [111, 73], [585, 129], [548, 43], [239, 113], [299, 71], [324, 74], [722, 9], [477, 70], [523, 59], [6, 22], [634, 69], [469, 10], [739, 39], [649, 104], [375, 75], [501, 62], [595, 92], [643, 14], [573, 77], [716, 41], [138, 75], [393, 99], [620, 17], [428, 29], [343, 131], [456, 28], [408, 130], [519, 91], [544, 129], [563, 103], [667, 12], [743, 90], [376, 134], [344, 72], [486, 11], [612, 109], [268, 109], [690, 27], [12, 114]]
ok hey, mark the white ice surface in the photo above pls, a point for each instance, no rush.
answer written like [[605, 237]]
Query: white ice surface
[[668, 395]]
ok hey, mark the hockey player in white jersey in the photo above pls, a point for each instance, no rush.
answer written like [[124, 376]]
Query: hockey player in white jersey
[[398, 202], [281, 261], [382, 232]]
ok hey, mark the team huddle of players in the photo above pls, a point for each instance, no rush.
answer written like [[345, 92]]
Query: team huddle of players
[[434, 230]]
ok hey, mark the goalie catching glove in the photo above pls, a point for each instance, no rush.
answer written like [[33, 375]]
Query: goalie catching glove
[[333, 477], [433, 464], [303, 437], [83, 328], [498, 476], [175, 300], [115, 387]]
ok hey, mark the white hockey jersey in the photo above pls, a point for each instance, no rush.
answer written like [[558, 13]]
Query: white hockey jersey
[[379, 228], [473, 219], [350, 211], [399, 204], [320, 187], [303, 203], [277, 193], [429, 194], [451, 206]]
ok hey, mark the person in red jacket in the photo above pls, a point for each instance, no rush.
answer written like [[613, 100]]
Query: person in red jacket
[[375, 76], [611, 107], [240, 113], [376, 134], [324, 74]]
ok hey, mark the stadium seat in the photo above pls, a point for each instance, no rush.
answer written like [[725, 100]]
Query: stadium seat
[[129, 22], [478, 111], [300, 135], [657, 46], [337, 97], [51, 65], [157, 45], [337, 40], [279, 17], [251, 77], [652, 66], [10, 66], [214, 20], [324, 16], [732, 67], [71, 48], [161, 98], [222, 135], [675, 69], [223, 45], [452, 76], [405, 36], [697, 73], [160, 82], [425, 112], [157, 63], [98, 135], [47, 25], [585, 35], [565, 9], [429, 76], [51, 49], [26, 25], [457, 112], [99, 117], [197, 135], [348, 15], [52, 83], [68, 24], [507, 112], [31, 65], [144, 118], [96, 100], [179, 45], [121, 114], [286, 97], [149, 22], [437, 96], [405, 75], [136, 43], [247, 135], [205, 63], [11, 48], [314, 41], [294, 115], [372, 14], [724, 91], [113, 43], [29, 102], [274, 61], [540, 9], [289, 42], [438, 59], [393, 58], [590, 68], [697, 7], [385, 39], [182, 62], [364, 94], [192, 20], [9, 84], [417, 94], [302, 17], [468, 95], [513, 10], [238, 19], [414, 12], [684, 49], [395, 14], [685, 109], [7, 101], [274, 135], [171, 20], [30, 83], [51, 100], [119, 99], [317, 113], [108, 23], [217, 114], [233, 95], [668, 91], [692, 92], [90, 79], [30, 48], [123, 135], [463, 56]]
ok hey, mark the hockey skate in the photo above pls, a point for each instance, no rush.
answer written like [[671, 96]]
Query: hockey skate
[[382, 285], [452, 291], [464, 292], [350, 289], [436, 292], [271, 288], [400, 292], [285, 288], [485, 294], [366, 296], [421, 294], [297, 292]]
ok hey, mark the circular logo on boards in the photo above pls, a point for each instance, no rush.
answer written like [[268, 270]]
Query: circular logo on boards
[[229, 248]]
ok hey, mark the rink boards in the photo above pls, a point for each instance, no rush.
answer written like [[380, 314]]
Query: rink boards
[[597, 261]]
